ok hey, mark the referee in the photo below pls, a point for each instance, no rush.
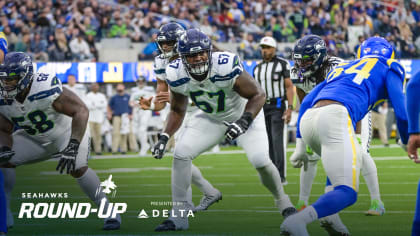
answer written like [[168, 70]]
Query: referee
[[273, 74]]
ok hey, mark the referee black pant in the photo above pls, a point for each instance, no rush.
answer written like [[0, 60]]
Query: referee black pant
[[273, 113]]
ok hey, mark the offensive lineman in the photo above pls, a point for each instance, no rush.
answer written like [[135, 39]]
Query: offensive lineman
[[327, 119], [52, 122], [231, 101], [312, 64], [167, 43]]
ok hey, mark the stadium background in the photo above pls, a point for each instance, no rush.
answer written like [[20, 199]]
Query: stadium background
[[113, 41]]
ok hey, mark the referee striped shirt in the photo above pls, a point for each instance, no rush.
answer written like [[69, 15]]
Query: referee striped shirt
[[270, 75]]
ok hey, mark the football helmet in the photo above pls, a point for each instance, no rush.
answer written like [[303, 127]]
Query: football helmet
[[169, 33], [308, 54], [16, 74], [376, 46], [193, 43]]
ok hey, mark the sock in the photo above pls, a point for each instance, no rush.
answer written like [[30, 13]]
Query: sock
[[370, 174], [9, 175], [416, 222], [90, 184], [3, 206], [181, 181], [308, 214], [270, 178], [334, 201], [306, 180], [199, 181]]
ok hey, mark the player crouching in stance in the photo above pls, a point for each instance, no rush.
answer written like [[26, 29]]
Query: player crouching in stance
[[231, 101], [327, 119], [312, 64], [52, 122]]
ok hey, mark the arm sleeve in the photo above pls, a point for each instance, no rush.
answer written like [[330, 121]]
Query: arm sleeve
[[307, 103], [413, 106], [3, 43], [394, 84]]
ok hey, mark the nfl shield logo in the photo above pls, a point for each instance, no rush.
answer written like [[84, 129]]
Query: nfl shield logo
[[276, 76]]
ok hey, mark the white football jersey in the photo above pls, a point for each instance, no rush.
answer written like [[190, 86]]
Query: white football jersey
[[307, 84], [36, 114], [214, 95], [146, 91], [159, 67]]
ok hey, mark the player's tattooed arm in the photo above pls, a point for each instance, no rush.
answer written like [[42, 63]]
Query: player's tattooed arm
[[6, 130], [70, 104], [248, 88], [179, 105]]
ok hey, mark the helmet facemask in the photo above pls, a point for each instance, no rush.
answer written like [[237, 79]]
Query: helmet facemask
[[12, 84], [171, 52], [197, 68]]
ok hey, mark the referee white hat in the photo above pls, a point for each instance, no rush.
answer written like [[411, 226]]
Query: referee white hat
[[268, 41]]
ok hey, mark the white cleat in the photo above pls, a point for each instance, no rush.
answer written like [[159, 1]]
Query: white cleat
[[293, 226], [208, 200], [334, 226]]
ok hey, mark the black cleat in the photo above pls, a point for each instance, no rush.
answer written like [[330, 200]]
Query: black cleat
[[112, 224], [167, 225], [288, 212]]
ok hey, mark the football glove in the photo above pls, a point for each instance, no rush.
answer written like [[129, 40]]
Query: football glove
[[299, 157], [159, 148], [6, 154], [238, 127], [68, 157]]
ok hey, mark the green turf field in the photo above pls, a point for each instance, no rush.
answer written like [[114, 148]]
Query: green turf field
[[246, 209]]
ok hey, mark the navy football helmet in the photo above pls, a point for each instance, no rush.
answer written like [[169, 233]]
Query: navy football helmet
[[169, 33], [309, 54], [376, 46], [16, 74], [192, 43]]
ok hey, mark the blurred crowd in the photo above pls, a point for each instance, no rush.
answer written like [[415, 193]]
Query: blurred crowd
[[66, 30]]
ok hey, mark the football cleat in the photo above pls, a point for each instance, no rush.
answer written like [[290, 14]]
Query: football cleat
[[112, 224], [207, 201], [300, 205], [167, 225], [288, 212], [377, 208], [293, 226], [334, 226]]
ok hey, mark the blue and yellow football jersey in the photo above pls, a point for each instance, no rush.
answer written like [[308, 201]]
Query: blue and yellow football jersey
[[362, 84]]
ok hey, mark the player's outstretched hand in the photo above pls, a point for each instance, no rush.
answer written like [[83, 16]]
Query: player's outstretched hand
[[6, 154], [412, 146], [68, 157], [238, 127], [145, 103], [159, 148], [163, 97]]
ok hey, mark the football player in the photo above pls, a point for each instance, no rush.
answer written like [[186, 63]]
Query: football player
[[326, 123], [167, 43], [312, 64], [51, 122], [413, 111], [6, 155], [141, 117], [231, 102]]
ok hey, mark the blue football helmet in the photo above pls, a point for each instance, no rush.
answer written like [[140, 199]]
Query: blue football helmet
[[192, 43], [169, 33], [16, 74], [376, 46], [308, 54]]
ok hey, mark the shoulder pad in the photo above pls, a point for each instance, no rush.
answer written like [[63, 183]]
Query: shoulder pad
[[45, 85], [395, 66], [225, 66], [175, 74]]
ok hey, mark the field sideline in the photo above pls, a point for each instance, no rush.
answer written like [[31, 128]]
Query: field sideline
[[247, 208]]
